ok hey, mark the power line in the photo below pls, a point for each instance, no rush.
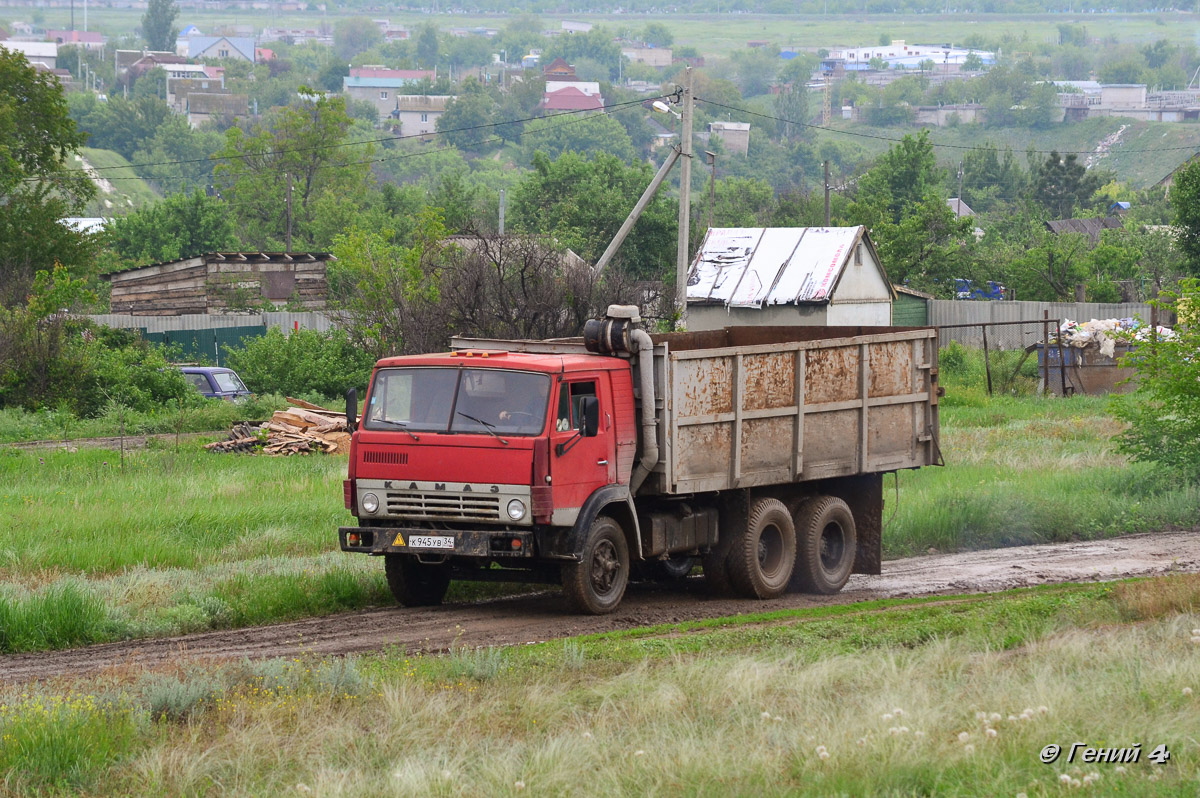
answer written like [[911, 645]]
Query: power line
[[385, 139], [1191, 148]]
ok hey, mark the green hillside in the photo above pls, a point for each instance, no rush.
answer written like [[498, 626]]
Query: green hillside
[[1145, 153], [119, 190]]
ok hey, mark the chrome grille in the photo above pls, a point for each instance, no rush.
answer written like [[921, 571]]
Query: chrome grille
[[444, 506]]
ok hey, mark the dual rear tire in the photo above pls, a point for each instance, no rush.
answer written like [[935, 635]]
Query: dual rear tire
[[812, 551]]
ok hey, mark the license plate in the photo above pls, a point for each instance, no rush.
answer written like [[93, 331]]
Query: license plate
[[431, 541]]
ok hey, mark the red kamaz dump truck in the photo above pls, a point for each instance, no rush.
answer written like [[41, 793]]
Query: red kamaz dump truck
[[758, 451]]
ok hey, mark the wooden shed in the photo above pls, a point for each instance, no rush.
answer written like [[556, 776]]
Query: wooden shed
[[911, 307], [222, 282], [788, 276]]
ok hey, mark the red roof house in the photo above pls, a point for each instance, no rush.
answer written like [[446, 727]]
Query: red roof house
[[571, 99]]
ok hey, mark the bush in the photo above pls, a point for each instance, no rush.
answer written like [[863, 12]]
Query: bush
[[1164, 412], [302, 362]]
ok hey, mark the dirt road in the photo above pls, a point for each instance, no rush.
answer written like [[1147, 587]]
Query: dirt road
[[539, 617]]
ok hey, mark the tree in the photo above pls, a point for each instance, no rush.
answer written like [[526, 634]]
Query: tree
[[464, 123], [792, 105], [991, 180], [427, 46], [178, 226], [583, 133], [309, 141], [596, 44], [972, 62], [37, 190], [157, 25], [658, 35], [905, 175], [1185, 199], [1061, 184], [581, 202], [353, 36], [120, 124], [928, 247], [1163, 414]]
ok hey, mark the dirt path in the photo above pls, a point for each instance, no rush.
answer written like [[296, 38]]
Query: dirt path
[[131, 441], [539, 617]]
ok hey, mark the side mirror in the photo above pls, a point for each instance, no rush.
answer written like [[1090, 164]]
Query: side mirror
[[591, 416], [352, 409]]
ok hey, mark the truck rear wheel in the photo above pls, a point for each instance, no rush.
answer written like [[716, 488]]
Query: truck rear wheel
[[413, 583], [596, 584], [827, 545], [761, 560]]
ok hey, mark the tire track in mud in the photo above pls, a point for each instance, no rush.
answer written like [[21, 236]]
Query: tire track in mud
[[539, 617]]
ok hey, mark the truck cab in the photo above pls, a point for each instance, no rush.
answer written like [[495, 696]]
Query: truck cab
[[475, 464]]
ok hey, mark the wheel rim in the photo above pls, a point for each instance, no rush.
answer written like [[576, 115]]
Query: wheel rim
[[770, 550], [833, 547], [606, 567]]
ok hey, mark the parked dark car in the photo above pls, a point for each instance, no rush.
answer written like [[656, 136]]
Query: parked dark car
[[216, 383]]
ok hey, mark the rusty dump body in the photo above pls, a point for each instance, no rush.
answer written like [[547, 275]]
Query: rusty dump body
[[743, 407]]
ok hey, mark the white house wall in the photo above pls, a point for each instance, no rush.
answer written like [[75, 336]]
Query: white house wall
[[871, 314], [861, 279]]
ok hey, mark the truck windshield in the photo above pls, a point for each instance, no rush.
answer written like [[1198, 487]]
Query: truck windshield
[[459, 400]]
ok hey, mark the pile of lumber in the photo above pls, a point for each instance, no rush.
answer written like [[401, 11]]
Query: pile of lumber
[[303, 428]]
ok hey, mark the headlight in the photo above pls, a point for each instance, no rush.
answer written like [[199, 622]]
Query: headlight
[[370, 502], [516, 509]]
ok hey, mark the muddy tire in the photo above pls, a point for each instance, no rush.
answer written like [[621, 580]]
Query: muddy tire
[[761, 559], [715, 563], [596, 584], [827, 543], [415, 584], [674, 569]]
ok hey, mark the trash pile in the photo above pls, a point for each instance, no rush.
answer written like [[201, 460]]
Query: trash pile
[[303, 428], [1106, 333]]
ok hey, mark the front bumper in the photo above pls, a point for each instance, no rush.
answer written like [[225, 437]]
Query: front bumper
[[488, 543]]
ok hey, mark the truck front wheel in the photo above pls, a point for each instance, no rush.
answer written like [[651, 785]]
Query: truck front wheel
[[596, 584], [827, 545], [761, 560], [415, 584]]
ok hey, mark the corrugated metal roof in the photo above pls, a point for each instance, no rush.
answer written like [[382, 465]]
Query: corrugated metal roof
[[757, 266]]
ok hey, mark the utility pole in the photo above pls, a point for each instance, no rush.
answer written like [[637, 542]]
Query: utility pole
[[711, 157], [827, 193], [960, 182], [685, 199], [288, 244]]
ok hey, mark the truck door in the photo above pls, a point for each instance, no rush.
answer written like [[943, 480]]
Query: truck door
[[584, 463]]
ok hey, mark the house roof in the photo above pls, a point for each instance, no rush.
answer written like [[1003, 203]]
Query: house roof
[[959, 207], [72, 36], [32, 49], [233, 257], [1088, 227], [571, 99], [381, 72], [558, 67], [197, 45], [904, 289], [757, 266], [585, 86]]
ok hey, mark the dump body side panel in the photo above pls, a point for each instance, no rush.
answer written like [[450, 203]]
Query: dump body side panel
[[745, 416]]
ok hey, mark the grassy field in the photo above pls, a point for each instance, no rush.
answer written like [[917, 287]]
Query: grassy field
[[124, 195], [712, 34], [910, 697], [185, 541], [1145, 153]]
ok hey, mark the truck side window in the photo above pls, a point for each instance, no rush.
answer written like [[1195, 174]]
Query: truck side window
[[569, 415]]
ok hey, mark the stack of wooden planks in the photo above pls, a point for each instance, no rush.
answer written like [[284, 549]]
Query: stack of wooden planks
[[303, 428]]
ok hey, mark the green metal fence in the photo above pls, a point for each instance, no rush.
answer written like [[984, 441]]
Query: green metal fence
[[206, 344]]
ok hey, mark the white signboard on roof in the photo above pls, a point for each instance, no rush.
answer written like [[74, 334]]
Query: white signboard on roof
[[755, 266], [814, 267]]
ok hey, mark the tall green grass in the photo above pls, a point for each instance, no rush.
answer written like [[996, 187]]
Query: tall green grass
[[191, 541], [954, 696], [210, 416]]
